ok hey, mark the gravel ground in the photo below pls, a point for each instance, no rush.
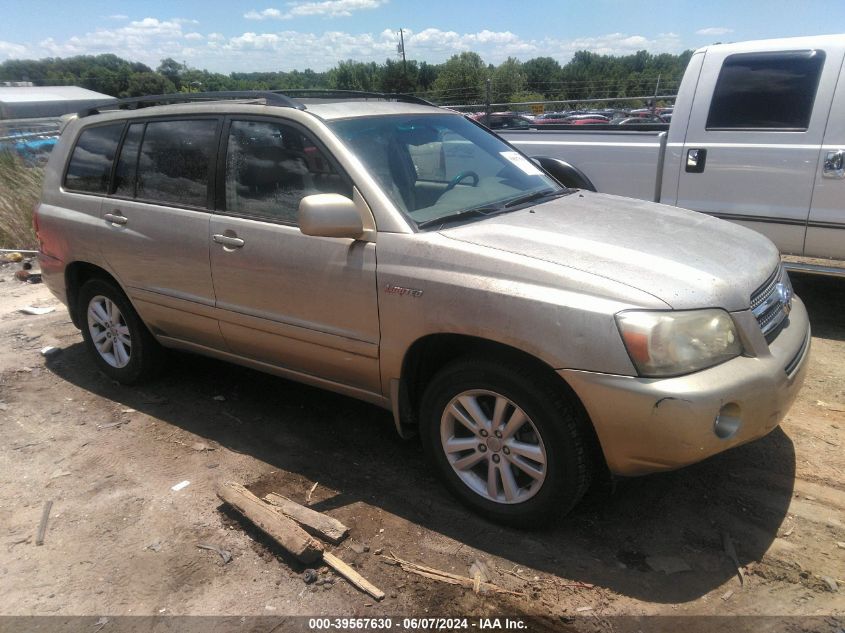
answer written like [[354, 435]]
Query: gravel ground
[[121, 541]]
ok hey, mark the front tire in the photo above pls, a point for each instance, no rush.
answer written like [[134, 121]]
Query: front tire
[[507, 440], [114, 334]]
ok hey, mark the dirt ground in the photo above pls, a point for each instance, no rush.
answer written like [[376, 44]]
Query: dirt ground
[[121, 541]]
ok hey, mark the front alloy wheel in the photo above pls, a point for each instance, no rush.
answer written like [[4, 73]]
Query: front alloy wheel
[[509, 439], [493, 446]]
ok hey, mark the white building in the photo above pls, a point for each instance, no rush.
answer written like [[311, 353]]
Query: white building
[[31, 102]]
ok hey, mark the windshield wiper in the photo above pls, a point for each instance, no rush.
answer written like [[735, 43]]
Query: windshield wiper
[[492, 209], [466, 213], [537, 195]]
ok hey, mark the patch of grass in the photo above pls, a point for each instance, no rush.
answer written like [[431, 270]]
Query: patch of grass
[[20, 189]]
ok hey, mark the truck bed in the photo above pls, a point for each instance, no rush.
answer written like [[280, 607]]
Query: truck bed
[[622, 162]]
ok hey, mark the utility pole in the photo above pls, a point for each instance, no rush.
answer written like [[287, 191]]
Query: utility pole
[[402, 50], [487, 100], [656, 92]]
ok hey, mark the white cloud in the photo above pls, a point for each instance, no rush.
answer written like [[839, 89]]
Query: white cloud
[[150, 40], [118, 16], [324, 8], [714, 30], [11, 50], [263, 15]]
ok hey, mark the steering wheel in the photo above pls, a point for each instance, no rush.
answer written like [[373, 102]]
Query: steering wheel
[[459, 177]]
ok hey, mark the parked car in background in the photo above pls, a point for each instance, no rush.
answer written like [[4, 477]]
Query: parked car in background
[[639, 120], [757, 137], [550, 118], [503, 121], [533, 336]]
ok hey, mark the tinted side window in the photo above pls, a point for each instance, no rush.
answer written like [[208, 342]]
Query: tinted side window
[[175, 161], [124, 173], [766, 90], [270, 167], [91, 162]]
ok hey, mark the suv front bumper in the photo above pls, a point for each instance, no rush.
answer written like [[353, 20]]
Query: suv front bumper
[[646, 425]]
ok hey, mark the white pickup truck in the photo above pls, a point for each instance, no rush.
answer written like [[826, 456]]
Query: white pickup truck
[[757, 137]]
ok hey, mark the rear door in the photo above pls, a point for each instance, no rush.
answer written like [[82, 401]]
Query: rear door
[[302, 303], [751, 149], [157, 220], [826, 225]]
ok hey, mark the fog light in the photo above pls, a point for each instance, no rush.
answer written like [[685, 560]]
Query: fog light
[[727, 422]]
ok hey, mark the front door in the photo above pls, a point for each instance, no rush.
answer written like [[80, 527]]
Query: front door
[[826, 224], [301, 303], [753, 139]]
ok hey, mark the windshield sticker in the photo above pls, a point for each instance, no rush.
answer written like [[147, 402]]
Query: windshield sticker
[[523, 163]]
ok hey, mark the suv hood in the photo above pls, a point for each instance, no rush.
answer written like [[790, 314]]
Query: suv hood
[[686, 259]]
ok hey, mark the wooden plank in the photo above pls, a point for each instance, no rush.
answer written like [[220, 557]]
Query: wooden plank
[[42, 527], [445, 576], [313, 522], [352, 576], [272, 522]]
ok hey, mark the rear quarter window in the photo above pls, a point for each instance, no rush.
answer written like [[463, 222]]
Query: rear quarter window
[[773, 91], [89, 169]]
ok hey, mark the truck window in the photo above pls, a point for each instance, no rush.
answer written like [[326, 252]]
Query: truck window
[[174, 162], [772, 91], [89, 169]]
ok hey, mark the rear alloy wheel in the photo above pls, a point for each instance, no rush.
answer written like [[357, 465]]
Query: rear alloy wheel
[[109, 332], [508, 440], [118, 340]]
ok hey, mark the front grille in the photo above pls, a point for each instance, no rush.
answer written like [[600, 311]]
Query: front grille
[[771, 303]]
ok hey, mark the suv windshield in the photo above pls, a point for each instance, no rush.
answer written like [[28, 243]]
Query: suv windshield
[[440, 166]]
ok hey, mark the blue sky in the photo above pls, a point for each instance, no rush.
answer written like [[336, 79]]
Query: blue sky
[[228, 36]]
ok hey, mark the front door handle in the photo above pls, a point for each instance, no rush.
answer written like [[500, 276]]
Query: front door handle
[[834, 164], [696, 158], [116, 218], [228, 241]]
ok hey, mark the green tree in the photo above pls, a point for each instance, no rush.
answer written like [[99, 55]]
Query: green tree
[[399, 77], [542, 75], [173, 70], [508, 79], [141, 84], [461, 79]]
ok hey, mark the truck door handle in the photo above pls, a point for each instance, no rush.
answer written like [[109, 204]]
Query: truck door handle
[[228, 241], [696, 158], [834, 164], [116, 218]]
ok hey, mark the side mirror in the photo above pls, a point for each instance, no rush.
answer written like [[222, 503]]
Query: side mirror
[[330, 215]]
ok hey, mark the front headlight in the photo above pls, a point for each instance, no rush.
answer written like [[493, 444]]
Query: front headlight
[[675, 343]]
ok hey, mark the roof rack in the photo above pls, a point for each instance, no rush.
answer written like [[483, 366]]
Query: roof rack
[[274, 98], [329, 93]]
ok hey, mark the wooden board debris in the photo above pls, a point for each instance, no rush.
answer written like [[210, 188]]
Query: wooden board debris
[[445, 576], [272, 521], [316, 523], [352, 576]]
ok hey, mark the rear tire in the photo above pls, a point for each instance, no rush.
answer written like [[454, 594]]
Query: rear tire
[[117, 339], [507, 440]]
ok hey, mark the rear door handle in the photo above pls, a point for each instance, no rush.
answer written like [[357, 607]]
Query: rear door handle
[[228, 241], [116, 218], [696, 158], [834, 164]]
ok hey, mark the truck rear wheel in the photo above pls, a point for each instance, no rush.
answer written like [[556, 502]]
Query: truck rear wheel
[[506, 441]]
